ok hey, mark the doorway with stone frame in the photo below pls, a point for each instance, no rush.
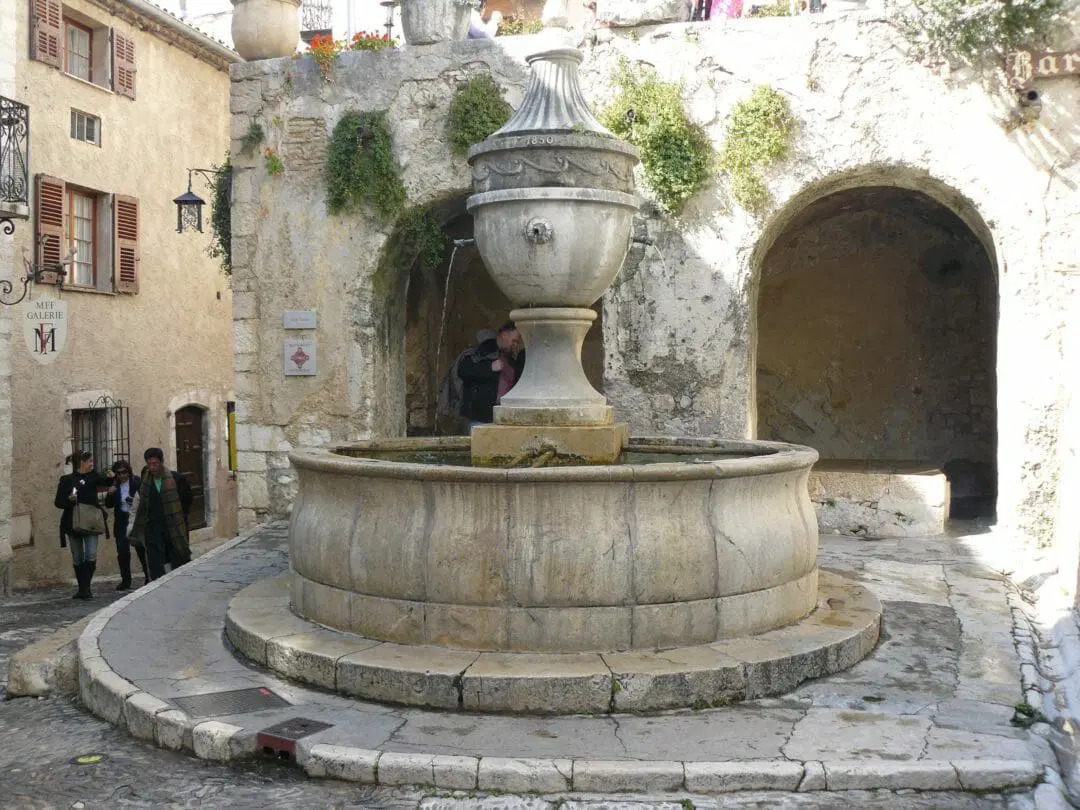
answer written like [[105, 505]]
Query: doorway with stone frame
[[876, 339]]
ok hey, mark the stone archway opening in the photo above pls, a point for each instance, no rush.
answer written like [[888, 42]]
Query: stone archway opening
[[877, 319], [445, 307]]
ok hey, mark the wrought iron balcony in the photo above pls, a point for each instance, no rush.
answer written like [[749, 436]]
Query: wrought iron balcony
[[14, 163]]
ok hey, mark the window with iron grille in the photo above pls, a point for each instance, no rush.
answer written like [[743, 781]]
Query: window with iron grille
[[104, 429]]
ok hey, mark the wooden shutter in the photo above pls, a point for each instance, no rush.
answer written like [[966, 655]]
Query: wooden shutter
[[46, 25], [126, 243], [51, 216], [123, 52]]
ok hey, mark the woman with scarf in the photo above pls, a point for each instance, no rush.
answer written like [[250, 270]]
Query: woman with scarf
[[161, 517]]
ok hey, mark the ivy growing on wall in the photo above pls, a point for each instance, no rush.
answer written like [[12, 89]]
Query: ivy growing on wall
[[759, 135], [676, 154], [417, 237], [221, 216], [477, 109], [360, 167], [970, 31]]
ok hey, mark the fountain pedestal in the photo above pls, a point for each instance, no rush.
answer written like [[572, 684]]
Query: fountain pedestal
[[553, 410]]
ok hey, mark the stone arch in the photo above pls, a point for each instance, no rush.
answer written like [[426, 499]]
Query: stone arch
[[425, 316], [889, 277]]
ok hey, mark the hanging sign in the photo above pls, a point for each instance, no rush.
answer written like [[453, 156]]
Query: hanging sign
[[299, 358], [45, 328], [1023, 66]]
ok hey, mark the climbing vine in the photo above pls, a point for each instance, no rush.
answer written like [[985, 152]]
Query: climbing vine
[[759, 135], [676, 154], [417, 236], [477, 109], [360, 167], [970, 31], [221, 216]]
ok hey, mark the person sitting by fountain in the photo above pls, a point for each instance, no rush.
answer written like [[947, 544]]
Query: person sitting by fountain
[[489, 372]]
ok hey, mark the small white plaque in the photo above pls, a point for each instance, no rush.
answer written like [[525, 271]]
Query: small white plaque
[[299, 319], [299, 358]]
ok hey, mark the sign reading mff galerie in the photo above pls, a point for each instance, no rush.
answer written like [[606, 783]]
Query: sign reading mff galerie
[[45, 328], [1024, 65]]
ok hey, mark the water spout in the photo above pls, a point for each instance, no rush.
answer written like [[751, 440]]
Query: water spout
[[446, 296], [643, 240]]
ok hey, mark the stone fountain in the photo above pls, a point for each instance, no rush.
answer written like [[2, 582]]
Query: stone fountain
[[624, 574]]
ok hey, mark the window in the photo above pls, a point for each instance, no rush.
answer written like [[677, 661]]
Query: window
[[85, 127], [104, 430], [78, 45], [82, 223], [94, 234], [78, 54]]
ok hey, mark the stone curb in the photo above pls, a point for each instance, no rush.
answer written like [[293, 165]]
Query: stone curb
[[146, 717]]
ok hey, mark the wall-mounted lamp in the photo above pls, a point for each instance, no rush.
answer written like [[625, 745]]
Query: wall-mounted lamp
[[189, 205], [35, 274]]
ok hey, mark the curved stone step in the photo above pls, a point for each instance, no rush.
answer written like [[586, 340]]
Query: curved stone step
[[841, 631]]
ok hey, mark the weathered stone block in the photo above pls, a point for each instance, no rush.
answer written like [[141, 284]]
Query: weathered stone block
[[598, 776], [534, 684], [725, 777], [510, 775], [339, 762]]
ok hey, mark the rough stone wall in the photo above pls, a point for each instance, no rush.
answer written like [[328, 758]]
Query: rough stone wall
[[680, 324]]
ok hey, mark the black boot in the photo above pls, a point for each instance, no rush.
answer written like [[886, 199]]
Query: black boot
[[125, 572], [84, 581], [89, 568], [79, 579]]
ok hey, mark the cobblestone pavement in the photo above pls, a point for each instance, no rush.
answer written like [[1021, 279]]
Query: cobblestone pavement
[[39, 765]]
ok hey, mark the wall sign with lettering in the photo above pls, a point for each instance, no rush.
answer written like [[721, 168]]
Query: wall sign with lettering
[[1023, 66], [45, 328]]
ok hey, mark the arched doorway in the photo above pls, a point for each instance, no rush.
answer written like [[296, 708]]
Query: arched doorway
[[443, 318], [877, 320], [191, 461]]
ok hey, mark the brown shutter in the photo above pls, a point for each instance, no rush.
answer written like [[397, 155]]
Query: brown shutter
[[123, 64], [51, 239], [126, 244], [46, 22]]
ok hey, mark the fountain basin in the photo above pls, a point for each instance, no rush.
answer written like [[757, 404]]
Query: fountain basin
[[688, 541]]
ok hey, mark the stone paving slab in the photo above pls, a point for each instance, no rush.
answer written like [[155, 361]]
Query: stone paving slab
[[880, 744]]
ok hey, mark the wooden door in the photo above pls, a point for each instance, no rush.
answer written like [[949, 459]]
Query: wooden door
[[189, 460]]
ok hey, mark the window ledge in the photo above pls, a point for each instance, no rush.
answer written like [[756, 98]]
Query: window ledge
[[95, 85], [14, 210], [92, 290]]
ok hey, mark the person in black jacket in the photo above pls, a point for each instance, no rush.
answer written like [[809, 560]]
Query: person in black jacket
[[80, 486], [489, 372], [119, 496]]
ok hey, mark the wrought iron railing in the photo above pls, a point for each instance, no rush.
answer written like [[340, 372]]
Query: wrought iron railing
[[14, 162]]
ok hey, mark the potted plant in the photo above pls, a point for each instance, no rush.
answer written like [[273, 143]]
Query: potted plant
[[424, 22]]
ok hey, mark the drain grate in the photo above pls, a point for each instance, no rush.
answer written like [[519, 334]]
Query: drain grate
[[279, 740], [235, 701]]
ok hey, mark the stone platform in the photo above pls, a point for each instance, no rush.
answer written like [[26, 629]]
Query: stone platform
[[927, 709], [839, 633], [877, 499]]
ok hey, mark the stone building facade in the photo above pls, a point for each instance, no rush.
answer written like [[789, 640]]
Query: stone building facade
[[124, 99], [904, 298]]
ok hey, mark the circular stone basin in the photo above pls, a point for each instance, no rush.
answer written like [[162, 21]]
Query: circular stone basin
[[688, 541]]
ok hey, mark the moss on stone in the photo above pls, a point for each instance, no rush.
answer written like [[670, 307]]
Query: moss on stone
[[477, 109]]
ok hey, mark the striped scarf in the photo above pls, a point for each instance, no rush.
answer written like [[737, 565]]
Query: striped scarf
[[170, 505]]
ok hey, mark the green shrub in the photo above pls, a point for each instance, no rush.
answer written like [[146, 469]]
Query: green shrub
[[221, 216], [360, 167], [477, 109], [759, 135], [510, 26], [970, 31], [676, 154]]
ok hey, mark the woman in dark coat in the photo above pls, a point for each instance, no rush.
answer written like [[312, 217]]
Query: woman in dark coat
[[79, 486], [119, 498]]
